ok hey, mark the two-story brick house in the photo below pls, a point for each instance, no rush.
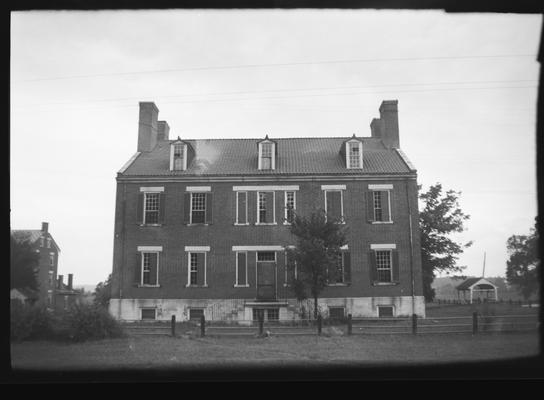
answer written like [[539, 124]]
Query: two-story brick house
[[201, 226]]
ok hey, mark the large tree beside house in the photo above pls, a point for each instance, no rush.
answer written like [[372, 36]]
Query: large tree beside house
[[440, 217], [317, 256], [24, 262]]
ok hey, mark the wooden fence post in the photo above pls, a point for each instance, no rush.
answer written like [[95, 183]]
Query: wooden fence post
[[319, 321], [349, 324], [173, 325], [202, 326], [414, 324], [261, 322], [474, 322]]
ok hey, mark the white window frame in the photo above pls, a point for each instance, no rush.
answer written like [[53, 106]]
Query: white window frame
[[341, 190], [172, 147], [202, 250], [51, 259], [237, 216], [273, 209], [42, 241], [143, 251], [191, 206], [360, 153], [147, 192], [286, 222], [51, 281], [390, 220], [273, 160], [385, 305], [48, 243], [390, 281], [237, 284], [148, 308]]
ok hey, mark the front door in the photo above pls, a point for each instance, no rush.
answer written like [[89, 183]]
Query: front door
[[266, 275]]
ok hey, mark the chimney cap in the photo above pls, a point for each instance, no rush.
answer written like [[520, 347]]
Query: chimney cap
[[45, 226], [145, 104], [389, 105]]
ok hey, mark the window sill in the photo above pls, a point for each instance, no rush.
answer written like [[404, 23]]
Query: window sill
[[381, 222], [241, 285], [198, 224], [337, 284], [196, 286], [151, 224], [245, 224], [266, 223], [148, 286], [385, 283], [287, 223]]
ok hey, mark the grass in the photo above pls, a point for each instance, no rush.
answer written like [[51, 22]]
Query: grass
[[182, 352], [433, 310]]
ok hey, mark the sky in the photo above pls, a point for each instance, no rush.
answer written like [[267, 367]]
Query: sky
[[466, 85]]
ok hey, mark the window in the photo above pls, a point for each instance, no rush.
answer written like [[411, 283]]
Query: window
[[196, 314], [49, 299], [354, 154], [50, 280], [265, 209], [198, 208], [333, 204], [178, 156], [151, 208], [197, 269], [241, 269], [42, 241], [148, 313], [290, 206], [385, 311], [383, 265], [269, 314], [48, 241], [241, 208], [52, 259], [337, 313], [341, 274], [290, 268], [65, 302], [266, 159], [150, 269], [266, 256], [379, 204]]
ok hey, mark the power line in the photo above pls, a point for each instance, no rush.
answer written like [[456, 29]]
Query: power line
[[240, 66], [301, 90]]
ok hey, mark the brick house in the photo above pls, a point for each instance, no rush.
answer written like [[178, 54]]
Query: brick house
[[43, 243], [201, 225]]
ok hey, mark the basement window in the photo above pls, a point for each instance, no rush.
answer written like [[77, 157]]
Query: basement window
[[385, 311], [337, 313], [148, 313], [195, 314]]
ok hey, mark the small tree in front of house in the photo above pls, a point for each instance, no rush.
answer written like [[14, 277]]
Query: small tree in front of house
[[316, 254]]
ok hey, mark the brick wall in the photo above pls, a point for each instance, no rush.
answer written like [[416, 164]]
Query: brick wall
[[222, 234]]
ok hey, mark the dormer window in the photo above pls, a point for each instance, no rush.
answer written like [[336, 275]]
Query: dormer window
[[267, 154], [178, 156], [354, 153]]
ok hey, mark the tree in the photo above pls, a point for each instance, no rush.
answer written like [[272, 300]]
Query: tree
[[523, 265], [102, 293], [317, 250], [24, 261], [440, 217]]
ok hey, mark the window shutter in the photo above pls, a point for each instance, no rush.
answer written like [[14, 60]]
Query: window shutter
[[395, 265], [370, 206], [269, 218], [153, 269], [209, 208], [161, 208], [138, 269], [372, 267], [334, 208], [242, 207], [200, 269], [241, 269], [186, 208], [140, 210], [347, 267], [385, 205]]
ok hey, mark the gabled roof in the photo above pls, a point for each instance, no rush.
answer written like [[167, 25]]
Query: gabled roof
[[26, 292], [32, 235], [296, 156], [467, 284]]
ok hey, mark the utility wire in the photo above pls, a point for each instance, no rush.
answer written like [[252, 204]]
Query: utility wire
[[226, 67], [297, 90]]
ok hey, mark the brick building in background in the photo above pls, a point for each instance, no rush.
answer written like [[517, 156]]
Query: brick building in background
[[51, 290], [201, 226]]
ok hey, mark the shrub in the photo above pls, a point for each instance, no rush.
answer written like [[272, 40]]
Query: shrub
[[89, 321], [30, 322]]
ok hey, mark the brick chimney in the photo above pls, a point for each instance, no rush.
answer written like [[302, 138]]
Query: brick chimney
[[70, 279], [60, 281], [163, 130], [387, 126], [147, 126], [45, 227]]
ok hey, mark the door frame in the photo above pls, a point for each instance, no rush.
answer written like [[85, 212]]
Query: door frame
[[275, 272]]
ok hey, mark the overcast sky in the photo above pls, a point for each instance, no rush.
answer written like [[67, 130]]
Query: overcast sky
[[466, 85]]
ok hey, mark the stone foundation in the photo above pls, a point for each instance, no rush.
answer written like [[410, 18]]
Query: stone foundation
[[240, 310]]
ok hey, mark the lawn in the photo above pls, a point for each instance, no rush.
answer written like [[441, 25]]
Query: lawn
[[185, 352]]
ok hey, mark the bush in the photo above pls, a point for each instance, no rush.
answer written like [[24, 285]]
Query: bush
[[89, 321], [31, 322]]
